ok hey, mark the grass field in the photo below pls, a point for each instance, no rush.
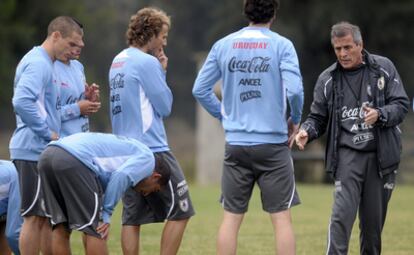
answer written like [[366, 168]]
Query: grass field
[[256, 236]]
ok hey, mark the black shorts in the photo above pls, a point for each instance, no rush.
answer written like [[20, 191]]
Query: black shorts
[[172, 202], [73, 193], [268, 165], [32, 202]]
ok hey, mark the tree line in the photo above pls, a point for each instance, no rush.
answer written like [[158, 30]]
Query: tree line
[[387, 28]]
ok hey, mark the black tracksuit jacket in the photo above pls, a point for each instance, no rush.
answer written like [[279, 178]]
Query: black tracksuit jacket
[[389, 98]]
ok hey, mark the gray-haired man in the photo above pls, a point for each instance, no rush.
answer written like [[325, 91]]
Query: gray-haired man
[[360, 101]]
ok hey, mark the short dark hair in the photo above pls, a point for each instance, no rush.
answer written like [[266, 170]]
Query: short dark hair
[[145, 24], [260, 11], [65, 25], [163, 169]]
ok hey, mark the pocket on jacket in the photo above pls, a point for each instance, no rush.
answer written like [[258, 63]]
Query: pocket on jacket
[[390, 147]]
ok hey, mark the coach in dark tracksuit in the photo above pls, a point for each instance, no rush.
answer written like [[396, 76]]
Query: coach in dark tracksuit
[[360, 101]]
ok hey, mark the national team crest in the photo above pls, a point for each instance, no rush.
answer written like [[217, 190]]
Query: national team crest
[[184, 204], [381, 83]]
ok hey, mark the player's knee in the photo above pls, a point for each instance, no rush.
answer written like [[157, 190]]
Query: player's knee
[[129, 247], [181, 222], [34, 221]]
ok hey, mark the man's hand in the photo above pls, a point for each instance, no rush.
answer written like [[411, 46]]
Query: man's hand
[[292, 131], [88, 107], [371, 115], [301, 139], [54, 136], [103, 230], [160, 54], [92, 92]]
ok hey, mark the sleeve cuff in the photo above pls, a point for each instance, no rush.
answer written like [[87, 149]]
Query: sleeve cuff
[[48, 135], [295, 120], [106, 218], [310, 130], [76, 110], [382, 119]]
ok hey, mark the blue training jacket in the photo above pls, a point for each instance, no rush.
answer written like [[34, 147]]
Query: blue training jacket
[[139, 98], [71, 80], [259, 70], [36, 104], [10, 203], [118, 162]]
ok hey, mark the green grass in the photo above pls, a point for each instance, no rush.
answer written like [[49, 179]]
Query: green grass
[[310, 221]]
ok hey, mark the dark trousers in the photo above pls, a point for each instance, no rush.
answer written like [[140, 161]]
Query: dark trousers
[[359, 188]]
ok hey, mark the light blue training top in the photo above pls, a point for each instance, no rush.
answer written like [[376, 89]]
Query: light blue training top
[[259, 69], [10, 203], [139, 98], [118, 162], [36, 104], [71, 80]]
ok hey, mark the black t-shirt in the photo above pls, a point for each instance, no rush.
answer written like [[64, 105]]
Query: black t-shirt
[[355, 133]]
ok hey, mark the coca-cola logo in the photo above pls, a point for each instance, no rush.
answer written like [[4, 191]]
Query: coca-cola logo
[[352, 113], [117, 82], [254, 65], [71, 99]]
